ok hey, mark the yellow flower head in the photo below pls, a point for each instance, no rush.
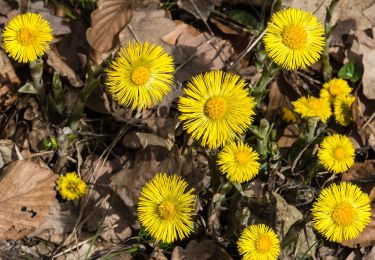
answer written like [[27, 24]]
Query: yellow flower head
[[71, 187], [288, 116], [239, 162], [336, 153], [341, 212], [140, 76], [294, 38], [216, 108], [165, 208], [258, 242], [333, 88], [313, 107], [26, 37], [343, 109]]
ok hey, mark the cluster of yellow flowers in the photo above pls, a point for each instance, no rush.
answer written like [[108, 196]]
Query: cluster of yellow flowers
[[216, 110]]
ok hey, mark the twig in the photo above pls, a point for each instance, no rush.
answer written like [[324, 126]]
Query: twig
[[201, 16], [248, 49], [368, 121], [72, 248], [133, 33]]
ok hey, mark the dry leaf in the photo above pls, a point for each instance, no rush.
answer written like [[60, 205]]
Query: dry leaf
[[318, 7], [201, 9], [172, 37], [7, 152], [26, 194], [56, 61], [204, 250], [148, 25], [136, 140], [200, 54], [7, 72], [107, 21]]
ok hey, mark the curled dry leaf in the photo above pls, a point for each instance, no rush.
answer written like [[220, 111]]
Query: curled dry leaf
[[110, 17], [204, 250], [26, 194]]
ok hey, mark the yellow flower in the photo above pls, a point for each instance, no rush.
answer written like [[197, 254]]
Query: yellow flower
[[333, 88], [26, 37], [288, 116], [341, 212], [71, 187], [343, 109], [336, 153], [313, 107], [239, 162], [216, 108], [294, 38], [140, 76], [258, 242], [165, 208]]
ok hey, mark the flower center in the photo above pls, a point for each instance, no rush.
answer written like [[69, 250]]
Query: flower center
[[25, 36], [140, 75], [339, 153], [295, 36], [343, 214], [314, 104], [263, 244], [71, 187], [215, 107], [242, 157], [167, 210], [335, 89]]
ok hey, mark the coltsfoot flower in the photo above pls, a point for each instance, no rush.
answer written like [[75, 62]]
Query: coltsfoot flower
[[258, 242], [336, 153], [294, 38], [288, 116], [313, 107], [239, 162], [334, 88], [26, 37], [71, 187], [342, 107], [341, 212], [140, 76], [165, 208], [216, 108]]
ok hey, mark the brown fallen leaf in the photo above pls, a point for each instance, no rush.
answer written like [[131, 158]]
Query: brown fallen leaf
[[148, 25], [7, 72], [194, 55], [26, 194], [204, 250], [56, 61], [109, 18], [7, 152], [200, 9], [172, 37]]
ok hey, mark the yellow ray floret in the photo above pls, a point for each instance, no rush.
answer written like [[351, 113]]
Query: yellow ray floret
[[313, 107], [341, 212], [336, 153], [140, 76], [239, 162], [334, 88], [294, 38], [26, 37], [258, 242], [343, 109], [71, 187], [216, 108], [165, 208]]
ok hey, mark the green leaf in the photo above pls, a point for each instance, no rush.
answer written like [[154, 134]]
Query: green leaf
[[350, 72], [243, 17]]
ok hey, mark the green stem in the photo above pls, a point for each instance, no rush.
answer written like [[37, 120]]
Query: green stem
[[327, 68], [77, 114], [36, 70]]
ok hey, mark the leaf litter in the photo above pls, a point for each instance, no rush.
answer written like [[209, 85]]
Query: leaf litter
[[118, 166]]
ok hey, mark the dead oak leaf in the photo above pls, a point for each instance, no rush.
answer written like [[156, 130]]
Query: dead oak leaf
[[26, 194], [109, 18]]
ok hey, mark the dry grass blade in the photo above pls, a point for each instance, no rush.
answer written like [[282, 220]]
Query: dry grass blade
[[26, 194], [107, 21]]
